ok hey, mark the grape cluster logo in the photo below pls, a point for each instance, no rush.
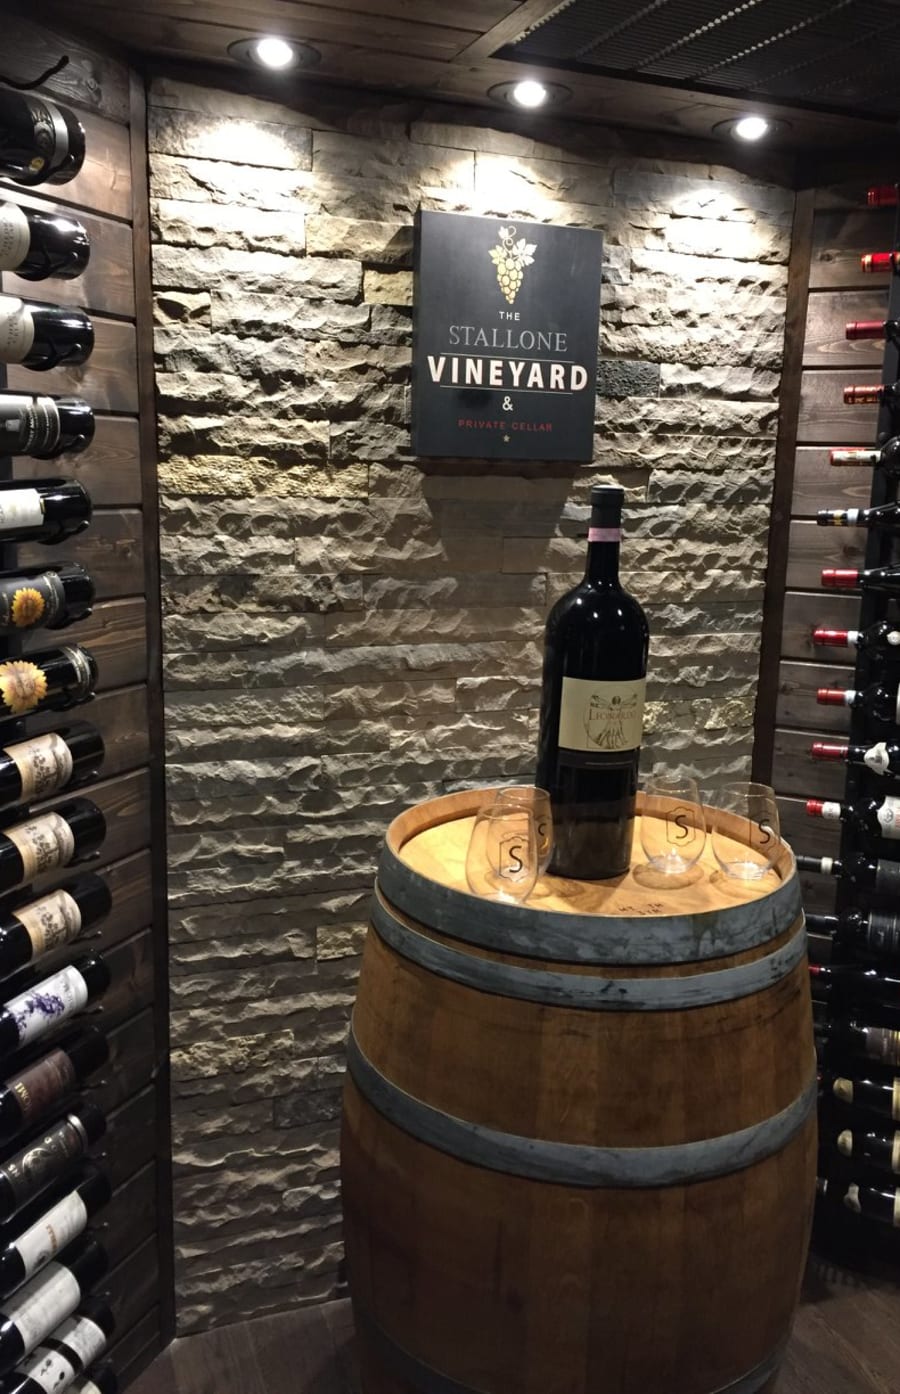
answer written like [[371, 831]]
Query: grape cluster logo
[[510, 257]]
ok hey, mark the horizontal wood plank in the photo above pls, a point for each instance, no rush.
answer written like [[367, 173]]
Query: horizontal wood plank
[[819, 484], [96, 86], [131, 1287], [823, 610], [797, 705], [132, 1351], [824, 418], [813, 548], [827, 314], [799, 774], [109, 469], [840, 238], [131, 1067], [108, 380], [131, 990], [129, 1142], [121, 718], [125, 803], [112, 549], [818, 895], [129, 1219], [116, 634], [106, 286]]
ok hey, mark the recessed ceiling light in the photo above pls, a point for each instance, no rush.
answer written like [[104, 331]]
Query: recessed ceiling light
[[751, 128], [530, 94], [274, 54]]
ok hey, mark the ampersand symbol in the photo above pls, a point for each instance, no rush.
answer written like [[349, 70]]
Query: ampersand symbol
[[507, 404]]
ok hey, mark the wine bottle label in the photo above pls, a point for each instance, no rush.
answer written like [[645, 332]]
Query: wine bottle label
[[44, 763], [23, 686], [830, 808], [895, 1219], [47, 1003], [20, 508], [48, 1370], [877, 758], [77, 1342], [851, 1199], [895, 1101], [15, 236], [82, 1336], [601, 716], [38, 1245], [43, 1303], [39, 1086], [883, 1044], [81, 668], [604, 534], [16, 330], [883, 933], [26, 605], [29, 1171], [53, 920], [895, 1153], [888, 816], [42, 843], [826, 865]]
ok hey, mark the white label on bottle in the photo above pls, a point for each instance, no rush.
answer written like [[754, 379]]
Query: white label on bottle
[[895, 1101], [50, 1370], [42, 843], [852, 516], [604, 534], [601, 716], [53, 920], [853, 638], [83, 1336], [20, 508], [52, 1232], [830, 809], [896, 1217], [851, 1199], [888, 816], [895, 1153], [15, 236], [42, 1304], [877, 758], [826, 864], [893, 637], [16, 330], [850, 697], [44, 763], [47, 1003]]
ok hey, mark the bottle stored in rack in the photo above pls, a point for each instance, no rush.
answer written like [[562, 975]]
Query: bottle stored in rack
[[873, 932], [29, 1095], [52, 597], [874, 1095], [45, 1005], [35, 243], [48, 841], [882, 1153], [886, 515], [875, 578], [878, 262], [49, 1156], [869, 817], [29, 1316], [885, 457], [860, 870], [879, 702], [872, 394], [48, 510], [41, 766], [883, 758], [42, 336], [881, 639], [48, 680], [41, 141], [69, 1349], [38, 927]]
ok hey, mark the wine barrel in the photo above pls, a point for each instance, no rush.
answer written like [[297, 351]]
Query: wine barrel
[[578, 1140]]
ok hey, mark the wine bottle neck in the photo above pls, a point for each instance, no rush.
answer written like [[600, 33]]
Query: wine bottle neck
[[604, 537]]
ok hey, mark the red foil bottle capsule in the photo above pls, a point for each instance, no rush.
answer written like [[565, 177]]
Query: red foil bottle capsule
[[825, 750], [882, 196], [871, 329], [840, 579], [836, 696], [880, 261]]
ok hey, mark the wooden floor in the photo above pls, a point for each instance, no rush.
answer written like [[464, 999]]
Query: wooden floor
[[846, 1341]]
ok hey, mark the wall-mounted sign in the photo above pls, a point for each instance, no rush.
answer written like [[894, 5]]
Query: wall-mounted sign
[[507, 316]]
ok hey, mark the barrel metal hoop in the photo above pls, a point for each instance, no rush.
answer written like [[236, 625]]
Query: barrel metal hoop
[[577, 1164], [430, 1381], [586, 993], [536, 933]]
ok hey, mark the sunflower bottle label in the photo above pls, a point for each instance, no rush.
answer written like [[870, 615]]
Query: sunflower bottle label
[[27, 604], [23, 686]]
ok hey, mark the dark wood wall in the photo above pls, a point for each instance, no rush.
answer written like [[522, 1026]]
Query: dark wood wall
[[833, 228], [120, 549]]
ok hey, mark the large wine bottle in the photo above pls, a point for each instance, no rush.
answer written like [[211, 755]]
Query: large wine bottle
[[41, 142], [879, 703], [35, 424], [50, 680], [877, 1095], [883, 1153], [874, 932], [50, 598], [37, 244], [886, 515], [49, 510], [69, 1349], [876, 578], [48, 841], [879, 1043], [883, 1206], [41, 766], [861, 871], [592, 703], [29, 1095], [887, 457], [881, 638], [871, 817], [27, 1253], [883, 758], [43, 336], [38, 927], [46, 1004], [49, 1156], [30, 1314]]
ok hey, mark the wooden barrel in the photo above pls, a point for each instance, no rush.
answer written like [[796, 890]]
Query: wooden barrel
[[578, 1143]]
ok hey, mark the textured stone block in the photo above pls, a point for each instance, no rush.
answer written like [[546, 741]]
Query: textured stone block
[[622, 377]]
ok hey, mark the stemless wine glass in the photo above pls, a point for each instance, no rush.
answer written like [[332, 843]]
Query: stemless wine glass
[[502, 859], [747, 844], [673, 826], [538, 800]]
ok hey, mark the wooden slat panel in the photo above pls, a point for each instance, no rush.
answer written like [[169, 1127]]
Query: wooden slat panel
[[107, 284], [797, 705], [819, 484], [108, 380], [126, 805], [133, 1351], [130, 1217], [840, 238], [104, 183], [826, 344], [131, 1064], [796, 772], [131, 1287], [116, 635], [111, 549], [121, 719], [129, 1142], [109, 469], [812, 837], [824, 417], [812, 548], [827, 610], [818, 893], [131, 989], [84, 81]]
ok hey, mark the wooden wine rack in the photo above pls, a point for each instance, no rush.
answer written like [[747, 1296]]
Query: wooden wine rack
[[120, 550]]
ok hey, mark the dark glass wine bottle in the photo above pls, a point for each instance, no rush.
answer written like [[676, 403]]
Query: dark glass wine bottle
[[882, 1153], [51, 597], [41, 766], [875, 1095], [856, 329], [874, 932], [45, 1005], [883, 1206], [885, 457], [875, 262], [29, 1095], [858, 984], [879, 703], [38, 927], [43, 336], [48, 1157], [870, 817], [37, 244], [71, 1348], [35, 424], [882, 639], [49, 510], [592, 702], [49, 680], [860, 871], [879, 1043], [886, 515], [883, 758], [41, 141], [28, 1317], [27, 1253], [876, 578], [48, 841], [872, 394]]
